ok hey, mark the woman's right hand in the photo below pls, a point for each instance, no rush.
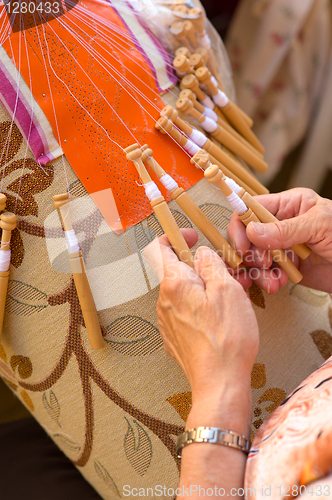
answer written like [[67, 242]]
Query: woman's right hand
[[304, 217]]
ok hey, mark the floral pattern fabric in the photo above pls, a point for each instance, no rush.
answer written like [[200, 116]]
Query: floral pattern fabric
[[279, 51]]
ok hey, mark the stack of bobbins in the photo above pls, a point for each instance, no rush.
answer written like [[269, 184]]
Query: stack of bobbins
[[160, 207], [198, 139], [89, 311], [210, 113], [245, 150], [165, 126], [194, 213], [240, 121], [215, 176], [8, 222]]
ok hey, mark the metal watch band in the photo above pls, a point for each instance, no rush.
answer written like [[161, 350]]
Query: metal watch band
[[213, 435]]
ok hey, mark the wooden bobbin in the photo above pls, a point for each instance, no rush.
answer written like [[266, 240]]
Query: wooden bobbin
[[198, 20], [265, 216], [181, 11], [85, 297], [203, 53], [204, 77], [162, 211], [190, 82], [202, 160], [189, 30], [173, 115], [3, 201], [8, 222], [195, 214], [182, 51], [215, 176], [196, 61], [181, 65], [178, 31], [186, 108]]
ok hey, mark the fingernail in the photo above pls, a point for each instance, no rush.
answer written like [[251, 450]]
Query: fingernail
[[266, 285], [258, 227]]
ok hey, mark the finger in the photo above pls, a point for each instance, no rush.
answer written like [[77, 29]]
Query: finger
[[236, 232], [288, 204], [257, 257], [160, 255], [241, 275], [269, 280], [211, 269], [282, 234]]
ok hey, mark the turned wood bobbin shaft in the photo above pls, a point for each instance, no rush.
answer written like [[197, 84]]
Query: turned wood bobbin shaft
[[8, 222], [204, 76], [215, 176], [3, 201], [85, 297], [162, 211], [265, 216]]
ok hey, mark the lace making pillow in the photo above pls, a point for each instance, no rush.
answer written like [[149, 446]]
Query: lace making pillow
[[115, 412]]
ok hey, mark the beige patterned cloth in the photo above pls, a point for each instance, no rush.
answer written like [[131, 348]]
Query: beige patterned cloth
[[115, 412], [279, 51]]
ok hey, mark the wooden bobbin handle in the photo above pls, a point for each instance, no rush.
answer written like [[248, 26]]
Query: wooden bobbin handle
[[85, 297], [164, 215], [3, 201], [255, 187], [206, 227], [172, 231], [265, 216], [278, 255], [204, 76], [8, 222], [214, 176]]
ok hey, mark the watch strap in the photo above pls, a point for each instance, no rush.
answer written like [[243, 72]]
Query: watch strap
[[213, 435]]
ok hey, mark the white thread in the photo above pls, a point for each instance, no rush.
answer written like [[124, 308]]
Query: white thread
[[198, 137], [4, 260], [209, 125], [210, 114], [221, 99], [236, 203], [169, 182], [191, 148], [233, 185], [207, 102], [71, 241], [204, 41], [152, 191], [214, 81]]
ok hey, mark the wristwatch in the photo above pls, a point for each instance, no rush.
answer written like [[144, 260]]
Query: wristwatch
[[213, 435]]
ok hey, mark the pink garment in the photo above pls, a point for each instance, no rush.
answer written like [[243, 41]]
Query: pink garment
[[294, 445]]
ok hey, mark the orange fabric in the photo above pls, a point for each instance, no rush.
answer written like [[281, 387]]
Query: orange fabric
[[65, 77]]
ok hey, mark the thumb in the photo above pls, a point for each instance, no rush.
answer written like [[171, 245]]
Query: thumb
[[210, 268], [282, 234]]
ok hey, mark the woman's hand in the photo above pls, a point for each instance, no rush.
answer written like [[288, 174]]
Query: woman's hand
[[304, 217], [209, 327], [206, 321]]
